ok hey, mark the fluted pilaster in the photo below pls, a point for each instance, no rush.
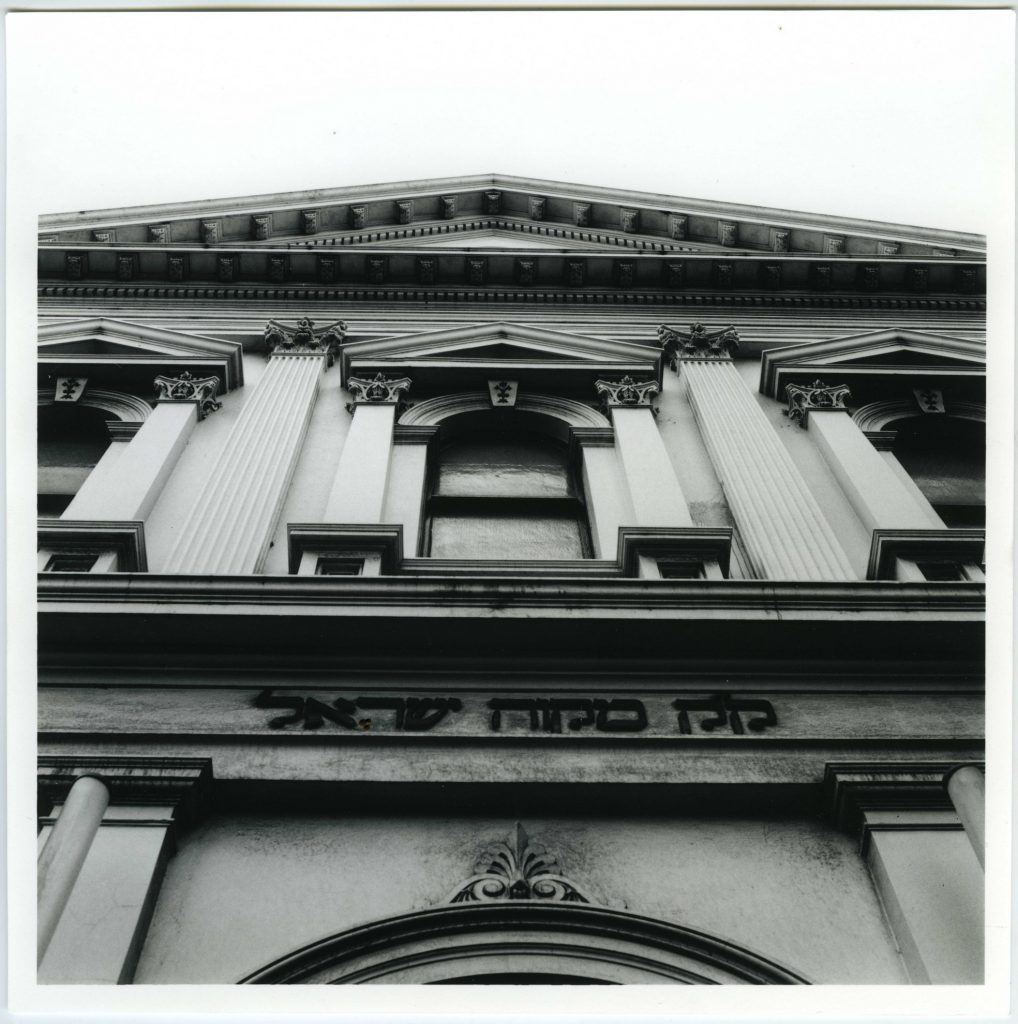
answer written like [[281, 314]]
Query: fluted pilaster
[[785, 534], [230, 525]]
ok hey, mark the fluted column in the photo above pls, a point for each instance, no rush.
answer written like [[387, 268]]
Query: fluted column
[[358, 488], [783, 530], [229, 527], [128, 478], [653, 487], [874, 490]]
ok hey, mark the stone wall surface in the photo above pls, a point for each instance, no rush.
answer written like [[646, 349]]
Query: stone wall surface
[[246, 889]]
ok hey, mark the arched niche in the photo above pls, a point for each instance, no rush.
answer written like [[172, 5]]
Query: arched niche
[[434, 411], [943, 453], [73, 436], [514, 942]]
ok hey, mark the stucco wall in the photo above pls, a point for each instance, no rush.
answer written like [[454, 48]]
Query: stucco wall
[[244, 889]]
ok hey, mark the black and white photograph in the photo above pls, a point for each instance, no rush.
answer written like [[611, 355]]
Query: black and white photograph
[[511, 512]]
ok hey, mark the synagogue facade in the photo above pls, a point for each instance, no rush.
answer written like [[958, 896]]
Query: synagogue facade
[[493, 580]]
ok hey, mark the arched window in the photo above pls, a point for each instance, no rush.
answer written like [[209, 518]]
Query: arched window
[[498, 491], [72, 439], [946, 457]]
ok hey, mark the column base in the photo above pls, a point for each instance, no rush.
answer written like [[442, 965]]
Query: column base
[[954, 555], [344, 549], [91, 546], [670, 552]]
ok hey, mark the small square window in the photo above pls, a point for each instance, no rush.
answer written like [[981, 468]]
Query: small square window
[[339, 567], [685, 569], [71, 562]]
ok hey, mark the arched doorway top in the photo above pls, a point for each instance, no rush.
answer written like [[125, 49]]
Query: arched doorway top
[[432, 411], [453, 944], [876, 415], [129, 408]]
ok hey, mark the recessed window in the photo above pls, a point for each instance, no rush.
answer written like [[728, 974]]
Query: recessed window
[[339, 567], [502, 495], [940, 571], [71, 561], [680, 569]]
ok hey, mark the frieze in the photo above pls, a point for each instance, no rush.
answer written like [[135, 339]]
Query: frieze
[[715, 714]]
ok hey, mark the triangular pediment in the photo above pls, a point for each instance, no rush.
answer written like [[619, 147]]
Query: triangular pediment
[[77, 345], [499, 211], [505, 347], [878, 352]]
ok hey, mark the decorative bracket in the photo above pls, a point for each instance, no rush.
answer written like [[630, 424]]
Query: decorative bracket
[[519, 869], [804, 399], [188, 388], [303, 340], [697, 343], [379, 390], [626, 392]]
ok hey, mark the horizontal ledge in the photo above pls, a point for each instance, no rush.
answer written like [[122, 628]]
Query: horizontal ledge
[[441, 592]]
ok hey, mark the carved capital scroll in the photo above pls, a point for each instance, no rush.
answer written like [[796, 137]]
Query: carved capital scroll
[[188, 388], [804, 399], [626, 392], [380, 389], [519, 869], [697, 343], [304, 340]]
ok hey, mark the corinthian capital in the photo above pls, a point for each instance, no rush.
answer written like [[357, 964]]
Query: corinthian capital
[[188, 388], [379, 390], [804, 399], [627, 392], [697, 343], [304, 340]]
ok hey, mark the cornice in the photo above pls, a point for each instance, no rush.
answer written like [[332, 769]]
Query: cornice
[[605, 206], [252, 272], [962, 601]]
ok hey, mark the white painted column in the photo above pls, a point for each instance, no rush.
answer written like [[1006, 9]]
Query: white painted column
[[64, 852], [358, 488], [966, 788], [653, 487], [608, 502], [103, 928], [404, 493], [872, 487], [230, 525], [126, 481], [785, 534]]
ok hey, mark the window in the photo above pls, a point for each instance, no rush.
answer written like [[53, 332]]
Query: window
[[72, 439], [505, 494], [946, 458]]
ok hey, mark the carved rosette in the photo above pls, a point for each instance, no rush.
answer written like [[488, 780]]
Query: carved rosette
[[379, 390], [304, 340], [697, 343], [517, 870], [626, 392], [188, 388], [804, 399]]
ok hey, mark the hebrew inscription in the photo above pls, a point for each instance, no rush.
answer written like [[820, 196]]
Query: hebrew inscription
[[718, 714]]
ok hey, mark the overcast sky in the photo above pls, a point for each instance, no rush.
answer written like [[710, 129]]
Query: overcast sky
[[892, 116]]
